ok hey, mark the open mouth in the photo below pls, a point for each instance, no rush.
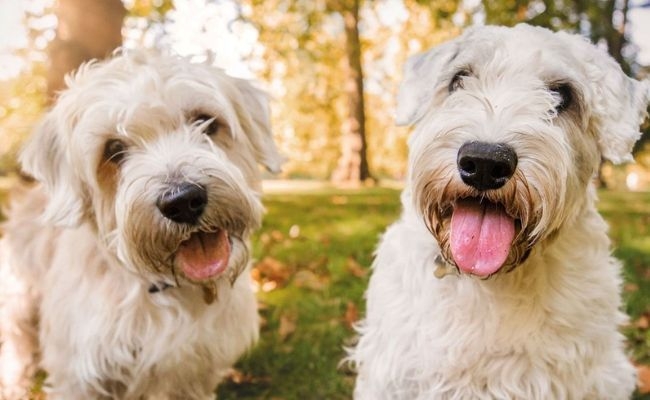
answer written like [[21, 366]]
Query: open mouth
[[481, 236], [204, 255]]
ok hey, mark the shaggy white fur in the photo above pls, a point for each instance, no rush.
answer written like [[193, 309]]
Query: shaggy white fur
[[125, 274], [498, 280]]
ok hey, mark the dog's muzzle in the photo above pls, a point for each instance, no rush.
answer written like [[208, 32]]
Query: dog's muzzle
[[482, 232], [205, 254]]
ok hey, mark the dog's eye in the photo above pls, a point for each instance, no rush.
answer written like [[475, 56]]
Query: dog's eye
[[114, 150], [564, 93], [212, 128], [457, 81]]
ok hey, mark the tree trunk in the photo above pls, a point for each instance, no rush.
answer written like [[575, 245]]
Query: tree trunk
[[353, 163], [87, 29]]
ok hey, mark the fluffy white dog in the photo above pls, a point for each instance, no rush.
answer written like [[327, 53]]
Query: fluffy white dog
[[511, 125], [126, 272]]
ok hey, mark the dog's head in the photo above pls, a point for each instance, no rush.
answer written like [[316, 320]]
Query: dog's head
[[511, 125], [160, 156]]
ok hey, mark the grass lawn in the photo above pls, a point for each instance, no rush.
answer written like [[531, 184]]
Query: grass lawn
[[312, 258], [313, 253]]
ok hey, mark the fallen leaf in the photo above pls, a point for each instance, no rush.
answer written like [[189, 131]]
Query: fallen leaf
[[256, 275], [643, 322], [643, 378], [351, 314], [265, 238], [277, 235], [271, 270], [355, 268], [240, 378], [235, 376]]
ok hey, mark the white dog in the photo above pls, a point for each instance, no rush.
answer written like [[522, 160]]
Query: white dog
[[136, 270], [511, 125]]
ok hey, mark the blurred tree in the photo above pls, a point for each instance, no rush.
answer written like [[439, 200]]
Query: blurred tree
[[22, 100], [22, 82], [86, 30], [601, 21], [328, 59], [353, 161], [315, 38], [391, 32], [298, 60], [153, 10]]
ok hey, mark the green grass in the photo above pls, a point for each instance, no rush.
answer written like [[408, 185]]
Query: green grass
[[319, 281], [629, 217]]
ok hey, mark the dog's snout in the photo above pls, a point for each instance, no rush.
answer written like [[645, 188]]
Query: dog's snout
[[486, 166], [183, 203]]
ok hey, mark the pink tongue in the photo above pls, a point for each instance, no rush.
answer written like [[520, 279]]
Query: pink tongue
[[204, 255], [481, 236]]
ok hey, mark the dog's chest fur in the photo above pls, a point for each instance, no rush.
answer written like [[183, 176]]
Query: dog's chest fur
[[458, 334], [123, 338]]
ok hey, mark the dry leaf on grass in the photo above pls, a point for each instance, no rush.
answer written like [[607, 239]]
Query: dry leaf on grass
[[277, 235], [355, 268], [643, 322], [265, 238], [643, 378], [270, 270], [351, 314], [240, 378]]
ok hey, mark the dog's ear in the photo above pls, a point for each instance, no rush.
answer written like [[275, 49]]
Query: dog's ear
[[255, 119], [619, 103], [421, 73], [45, 159]]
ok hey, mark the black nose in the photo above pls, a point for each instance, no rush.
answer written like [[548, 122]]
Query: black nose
[[486, 165], [183, 203]]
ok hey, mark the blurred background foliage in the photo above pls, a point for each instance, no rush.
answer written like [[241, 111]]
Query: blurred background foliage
[[331, 66]]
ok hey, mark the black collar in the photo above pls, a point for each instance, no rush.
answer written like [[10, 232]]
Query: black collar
[[159, 287]]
